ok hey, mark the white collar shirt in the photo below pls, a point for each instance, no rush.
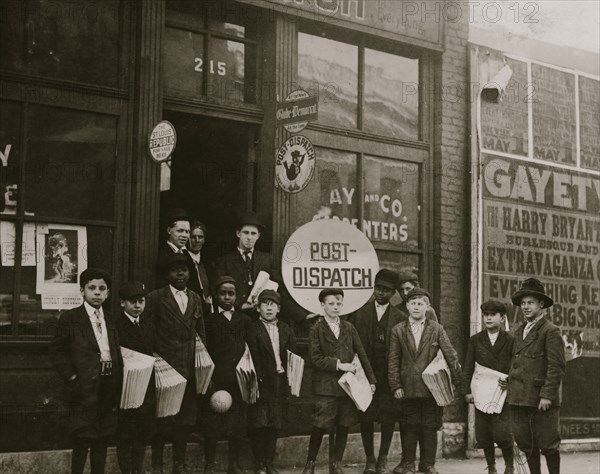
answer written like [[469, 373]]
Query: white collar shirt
[[416, 328], [174, 247], [181, 297], [530, 324], [493, 336], [227, 313], [244, 251], [380, 310], [98, 323], [334, 326], [134, 321]]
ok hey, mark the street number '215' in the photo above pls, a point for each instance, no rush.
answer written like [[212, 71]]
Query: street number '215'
[[221, 66]]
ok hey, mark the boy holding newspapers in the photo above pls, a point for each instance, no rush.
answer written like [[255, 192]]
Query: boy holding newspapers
[[332, 345], [491, 349], [414, 344]]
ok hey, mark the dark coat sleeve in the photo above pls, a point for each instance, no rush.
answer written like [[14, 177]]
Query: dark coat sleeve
[[451, 358], [555, 351], [315, 352], [395, 360], [59, 348], [469, 366], [362, 356]]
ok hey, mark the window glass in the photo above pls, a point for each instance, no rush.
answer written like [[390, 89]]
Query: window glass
[[589, 122], [329, 69], [78, 41], [391, 95], [188, 12], [391, 203], [332, 191], [96, 252], [183, 59], [6, 279], [226, 66], [10, 125], [12, 32], [70, 170]]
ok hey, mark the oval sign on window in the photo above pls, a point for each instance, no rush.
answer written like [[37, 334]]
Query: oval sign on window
[[329, 254], [162, 141]]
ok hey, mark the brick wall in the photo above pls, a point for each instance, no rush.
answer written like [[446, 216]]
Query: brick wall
[[451, 194]]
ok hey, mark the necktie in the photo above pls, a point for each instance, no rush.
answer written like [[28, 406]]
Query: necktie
[[98, 323], [136, 323], [181, 301], [248, 260]]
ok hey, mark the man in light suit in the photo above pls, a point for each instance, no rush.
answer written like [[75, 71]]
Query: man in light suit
[[246, 262]]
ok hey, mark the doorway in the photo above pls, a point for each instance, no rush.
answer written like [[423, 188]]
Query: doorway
[[212, 176]]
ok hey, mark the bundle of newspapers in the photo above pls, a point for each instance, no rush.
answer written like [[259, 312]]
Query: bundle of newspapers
[[204, 367], [439, 381], [295, 371], [137, 371], [263, 282], [357, 386], [170, 387], [247, 377], [487, 394]]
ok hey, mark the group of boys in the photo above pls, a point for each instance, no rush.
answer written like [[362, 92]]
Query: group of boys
[[392, 348]]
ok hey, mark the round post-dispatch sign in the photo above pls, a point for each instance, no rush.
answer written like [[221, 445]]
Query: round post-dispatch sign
[[329, 253], [162, 141], [295, 164]]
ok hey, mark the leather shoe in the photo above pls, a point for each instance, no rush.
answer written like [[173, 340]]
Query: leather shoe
[[429, 470], [370, 466], [309, 468], [260, 470], [509, 470], [381, 467], [405, 468], [336, 468]]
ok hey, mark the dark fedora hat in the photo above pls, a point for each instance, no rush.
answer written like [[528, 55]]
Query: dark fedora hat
[[168, 262], [250, 218], [532, 287]]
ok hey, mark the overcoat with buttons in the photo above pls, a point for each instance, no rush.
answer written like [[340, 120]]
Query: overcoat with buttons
[[324, 351], [407, 362], [75, 351], [538, 365], [175, 341], [497, 357]]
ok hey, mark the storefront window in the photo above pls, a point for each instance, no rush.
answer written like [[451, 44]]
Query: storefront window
[[70, 164], [391, 101], [208, 53], [391, 203], [332, 192], [78, 41], [329, 69]]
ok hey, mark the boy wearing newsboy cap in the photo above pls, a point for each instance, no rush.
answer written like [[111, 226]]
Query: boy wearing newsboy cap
[[491, 348]]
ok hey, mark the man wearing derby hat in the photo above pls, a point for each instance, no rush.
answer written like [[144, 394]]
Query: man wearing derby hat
[[536, 371], [246, 262], [374, 323]]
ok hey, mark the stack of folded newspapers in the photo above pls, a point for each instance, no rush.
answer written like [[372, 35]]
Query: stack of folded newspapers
[[487, 394], [439, 381], [204, 367], [247, 378], [357, 386], [137, 371], [170, 387], [295, 370]]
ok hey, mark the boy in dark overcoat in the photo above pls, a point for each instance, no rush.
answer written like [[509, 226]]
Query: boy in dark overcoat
[[85, 352], [332, 345], [136, 426], [491, 348], [536, 372], [228, 331], [414, 344], [266, 417], [374, 323], [177, 318]]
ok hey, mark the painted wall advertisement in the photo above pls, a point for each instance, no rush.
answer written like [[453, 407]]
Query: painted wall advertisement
[[545, 221]]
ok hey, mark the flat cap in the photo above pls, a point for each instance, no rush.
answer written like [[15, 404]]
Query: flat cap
[[330, 292], [225, 279], [416, 292], [493, 306], [271, 295], [132, 289]]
